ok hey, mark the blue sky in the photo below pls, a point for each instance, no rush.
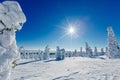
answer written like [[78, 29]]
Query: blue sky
[[48, 19]]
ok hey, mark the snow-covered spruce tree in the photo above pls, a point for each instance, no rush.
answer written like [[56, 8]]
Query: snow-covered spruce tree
[[81, 52], [11, 20], [106, 51], [76, 53], [46, 53], [60, 54], [22, 52], [113, 47], [102, 51], [88, 50], [39, 55], [69, 54], [95, 51]]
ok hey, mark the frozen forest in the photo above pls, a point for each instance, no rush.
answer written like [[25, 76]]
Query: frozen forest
[[111, 51], [77, 64], [87, 64]]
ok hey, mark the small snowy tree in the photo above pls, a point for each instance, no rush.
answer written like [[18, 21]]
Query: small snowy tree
[[113, 47], [60, 54], [11, 18], [40, 54], [22, 52], [95, 51], [70, 54], [75, 53], [102, 51], [80, 49], [81, 52], [88, 50], [46, 53], [106, 49]]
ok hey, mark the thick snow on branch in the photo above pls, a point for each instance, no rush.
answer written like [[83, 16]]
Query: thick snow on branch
[[11, 20], [11, 16], [113, 47]]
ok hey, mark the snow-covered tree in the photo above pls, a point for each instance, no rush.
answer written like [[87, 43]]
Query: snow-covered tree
[[75, 53], [11, 18], [70, 54], [102, 50], [39, 55], [81, 50], [88, 50], [60, 54], [46, 53], [106, 49], [57, 53], [22, 52], [95, 51], [113, 47]]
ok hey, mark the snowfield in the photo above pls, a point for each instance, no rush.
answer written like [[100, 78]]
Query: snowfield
[[75, 68]]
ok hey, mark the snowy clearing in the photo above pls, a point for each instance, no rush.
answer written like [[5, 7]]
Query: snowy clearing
[[76, 68]]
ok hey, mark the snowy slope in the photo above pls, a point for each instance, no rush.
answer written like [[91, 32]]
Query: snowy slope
[[68, 69]]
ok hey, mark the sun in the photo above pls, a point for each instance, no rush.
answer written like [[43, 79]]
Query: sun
[[71, 30]]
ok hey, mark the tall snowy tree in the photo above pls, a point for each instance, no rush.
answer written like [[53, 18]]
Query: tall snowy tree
[[113, 47], [11, 16]]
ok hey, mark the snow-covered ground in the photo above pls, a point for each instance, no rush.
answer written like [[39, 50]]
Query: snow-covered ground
[[76, 68]]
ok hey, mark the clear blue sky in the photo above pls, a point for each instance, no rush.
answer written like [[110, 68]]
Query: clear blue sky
[[46, 20]]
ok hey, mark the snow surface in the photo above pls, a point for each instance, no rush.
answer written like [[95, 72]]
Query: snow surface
[[77, 68]]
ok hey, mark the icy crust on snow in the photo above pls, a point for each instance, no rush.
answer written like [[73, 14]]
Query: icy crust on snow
[[11, 20], [77, 68]]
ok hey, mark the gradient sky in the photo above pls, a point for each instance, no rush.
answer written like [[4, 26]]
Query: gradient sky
[[48, 19]]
